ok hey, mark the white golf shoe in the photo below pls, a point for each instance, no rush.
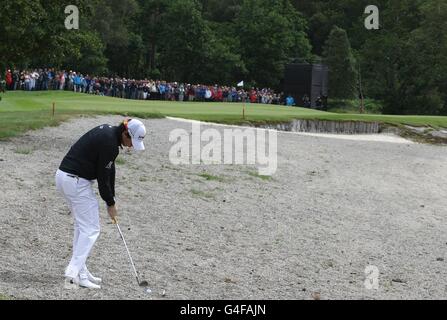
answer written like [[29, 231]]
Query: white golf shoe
[[86, 283], [85, 274], [77, 282]]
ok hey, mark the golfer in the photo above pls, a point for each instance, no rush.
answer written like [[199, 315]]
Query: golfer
[[91, 158]]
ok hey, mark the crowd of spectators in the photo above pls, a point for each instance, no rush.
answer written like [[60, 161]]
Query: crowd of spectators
[[50, 79]]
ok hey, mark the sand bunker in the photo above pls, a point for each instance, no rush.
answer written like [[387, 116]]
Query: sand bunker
[[333, 208]]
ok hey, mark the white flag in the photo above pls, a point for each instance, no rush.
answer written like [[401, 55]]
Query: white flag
[[240, 84]]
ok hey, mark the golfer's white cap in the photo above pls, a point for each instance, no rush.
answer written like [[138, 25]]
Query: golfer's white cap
[[137, 132]]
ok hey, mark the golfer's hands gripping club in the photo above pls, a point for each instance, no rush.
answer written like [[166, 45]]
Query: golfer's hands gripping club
[[113, 213]]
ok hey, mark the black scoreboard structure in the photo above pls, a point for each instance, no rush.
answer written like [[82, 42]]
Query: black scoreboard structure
[[302, 79]]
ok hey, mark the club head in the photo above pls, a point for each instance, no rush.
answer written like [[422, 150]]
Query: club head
[[145, 285]]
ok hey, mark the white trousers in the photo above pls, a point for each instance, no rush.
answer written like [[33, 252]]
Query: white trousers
[[79, 195]]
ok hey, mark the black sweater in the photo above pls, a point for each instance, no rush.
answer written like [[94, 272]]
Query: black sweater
[[93, 157]]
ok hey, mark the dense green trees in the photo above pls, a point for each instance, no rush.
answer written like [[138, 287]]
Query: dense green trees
[[270, 34], [340, 60], [30, 36], [195, 41], [187, 47], [404, 64]]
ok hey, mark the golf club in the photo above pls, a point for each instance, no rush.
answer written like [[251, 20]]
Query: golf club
[[143, 283]]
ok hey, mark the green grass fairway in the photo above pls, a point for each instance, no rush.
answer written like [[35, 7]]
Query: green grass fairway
[[21, 111]]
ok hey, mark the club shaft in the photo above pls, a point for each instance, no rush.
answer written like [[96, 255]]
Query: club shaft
[[128, 253]]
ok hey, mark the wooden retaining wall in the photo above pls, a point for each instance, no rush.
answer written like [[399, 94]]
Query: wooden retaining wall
[[321, 126]]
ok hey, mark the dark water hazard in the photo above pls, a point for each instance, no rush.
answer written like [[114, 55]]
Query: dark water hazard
[[321, 126]]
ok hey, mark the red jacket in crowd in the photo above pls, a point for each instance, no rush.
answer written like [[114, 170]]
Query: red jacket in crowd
[[219, 95], [9, 78], [253, 96]]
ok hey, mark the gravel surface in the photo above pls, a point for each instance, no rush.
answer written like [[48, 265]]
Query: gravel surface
[[332, 208]]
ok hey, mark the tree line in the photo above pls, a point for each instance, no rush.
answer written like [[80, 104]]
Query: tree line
[[403, 64]]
